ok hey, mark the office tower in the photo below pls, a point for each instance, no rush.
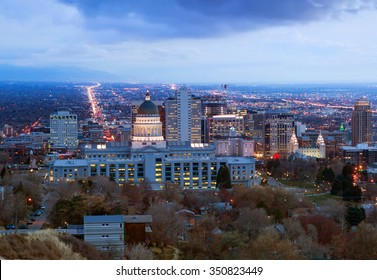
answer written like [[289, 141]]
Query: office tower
[[183, 117], [213, 105], [124, 135], [300, 128], [8, 131], [277, 132], [221, 124], [362, 122], [63, 130]]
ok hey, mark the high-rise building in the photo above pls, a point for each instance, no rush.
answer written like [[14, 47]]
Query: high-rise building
[[220, 125], [214, 105], [8, 131], [278, 131], [63, 130], [183, 117], [362, 122]]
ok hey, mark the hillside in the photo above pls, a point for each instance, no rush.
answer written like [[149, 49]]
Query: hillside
[[46, 245]]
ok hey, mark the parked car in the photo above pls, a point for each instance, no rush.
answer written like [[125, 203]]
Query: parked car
[[43, 207], [31, 218], [10, 226], [23, 226], [38, 212]]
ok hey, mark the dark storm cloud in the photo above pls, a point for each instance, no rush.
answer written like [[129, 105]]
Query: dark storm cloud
[[153, 19]]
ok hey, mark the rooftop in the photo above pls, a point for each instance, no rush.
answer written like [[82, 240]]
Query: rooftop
[[103, 219], [71, 163], [137, 219]]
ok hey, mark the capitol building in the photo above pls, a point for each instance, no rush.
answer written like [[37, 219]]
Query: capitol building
[[151, 159]]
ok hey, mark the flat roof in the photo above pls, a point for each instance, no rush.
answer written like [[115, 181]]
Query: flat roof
[[71, 163], [103, 219], [137, 219]]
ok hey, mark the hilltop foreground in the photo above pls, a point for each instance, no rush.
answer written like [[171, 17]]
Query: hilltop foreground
[[46, 245]]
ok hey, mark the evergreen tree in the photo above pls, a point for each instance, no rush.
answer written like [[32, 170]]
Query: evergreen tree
[[3, 172], [328, 174], [351, 192], [355, 215], [223, 178], [337, 186]]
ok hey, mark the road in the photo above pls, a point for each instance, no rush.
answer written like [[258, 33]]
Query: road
[[49, 202]]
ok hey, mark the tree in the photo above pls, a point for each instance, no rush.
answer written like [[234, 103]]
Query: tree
[[328, 174], [348, 170], [362, 244], [139, 252], [372, 216], [326, 228], [305, 242], [168, 225], [68, 211], [335, 210], [337, 186], [3, 171], [228, 245], [223, 178], [351, 192], [252, 222], [355, 215], [269, 246]]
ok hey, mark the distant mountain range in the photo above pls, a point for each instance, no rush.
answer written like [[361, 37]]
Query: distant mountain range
[[52, 74]]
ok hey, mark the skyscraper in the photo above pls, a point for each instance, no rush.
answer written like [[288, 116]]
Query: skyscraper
[[362, 122], [183, 117], [63, 130], [213, 105], [277, 132]]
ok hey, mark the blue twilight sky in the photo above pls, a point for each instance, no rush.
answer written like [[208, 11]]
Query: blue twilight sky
[[187, 41]]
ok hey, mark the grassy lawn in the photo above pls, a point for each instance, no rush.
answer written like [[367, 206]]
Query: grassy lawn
[[318, 199], [297, 184]]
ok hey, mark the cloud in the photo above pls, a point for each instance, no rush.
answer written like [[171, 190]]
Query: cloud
[[151, 20]]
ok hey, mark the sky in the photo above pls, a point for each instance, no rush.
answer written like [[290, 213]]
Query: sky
[[192, 41]]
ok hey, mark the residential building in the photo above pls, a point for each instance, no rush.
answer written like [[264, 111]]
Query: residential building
[[183, 117], [113, 233], [106, 233]]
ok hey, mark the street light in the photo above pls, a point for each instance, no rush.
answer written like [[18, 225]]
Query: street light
[[29, 200]]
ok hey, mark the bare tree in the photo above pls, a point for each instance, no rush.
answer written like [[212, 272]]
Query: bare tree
[[139, 252], [168, 225], [252, 222]]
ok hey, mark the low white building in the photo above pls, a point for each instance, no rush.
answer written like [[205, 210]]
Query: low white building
[[234, 146], [68, 169], [191, 166], [106, 233]]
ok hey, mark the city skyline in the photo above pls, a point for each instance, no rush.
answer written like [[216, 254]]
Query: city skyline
[[189, 41]]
